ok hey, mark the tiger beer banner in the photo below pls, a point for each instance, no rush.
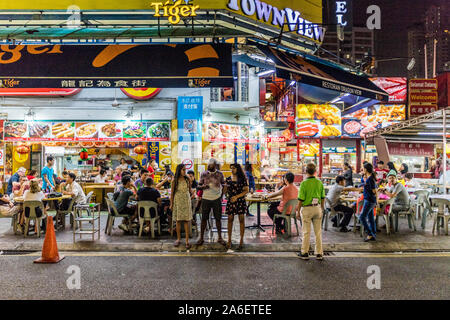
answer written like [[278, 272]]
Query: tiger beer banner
[[116, 66]]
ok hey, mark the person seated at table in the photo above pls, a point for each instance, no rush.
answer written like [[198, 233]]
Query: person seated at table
[[123, 164], [141, 181], [59, 186], [399, 192], [411, 182], [15, 178], [118, 174], [149, 193], [119, 183], [7, 207], [35, 194], [32, 174], [381, 171], [21, 187], [288, 192], [166, 182], [121, 200], [266, 173], [334, 197], [135, 173], [101, 177], [74, 190]]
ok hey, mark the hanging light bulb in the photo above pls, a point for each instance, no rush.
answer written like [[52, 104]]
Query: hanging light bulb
[[29, 116], [129, 117]]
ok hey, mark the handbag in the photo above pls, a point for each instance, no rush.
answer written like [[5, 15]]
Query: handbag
[[54, 195]]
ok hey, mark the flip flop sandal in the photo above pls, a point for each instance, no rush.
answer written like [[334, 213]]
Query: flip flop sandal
[[177, 243], [229, 245], [241, 246], [200, 242], [188, 246]]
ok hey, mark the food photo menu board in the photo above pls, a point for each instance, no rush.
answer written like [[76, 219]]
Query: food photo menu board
[[361, 122], [222, 132], [318, 120], [86, 131]]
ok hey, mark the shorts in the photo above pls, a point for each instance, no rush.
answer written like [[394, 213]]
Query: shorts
[[128, 211], [215, 205]]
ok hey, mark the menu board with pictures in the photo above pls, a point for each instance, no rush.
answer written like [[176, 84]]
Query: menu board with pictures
[[223, 132], [318, 120], [308, 148], [361, 122], [86, 131]]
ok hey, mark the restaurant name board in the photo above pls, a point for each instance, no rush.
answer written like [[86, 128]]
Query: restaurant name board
[[116, 66], [411, 149], [423, 96], [277, 17], [86, 131], [175, 11]]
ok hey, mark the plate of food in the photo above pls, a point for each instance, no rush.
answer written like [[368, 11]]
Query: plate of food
[[63, 130], [136, 130], [15, 129], [305, 112], [110, 130], [166, 162], [87, 144], [245, 132], [307, 128], [39, 130], [225, 131], [159, 130], [165, 151], [352, 127], [327, 114], [112, 144], [330, 131], [88, 130], [213, 131]]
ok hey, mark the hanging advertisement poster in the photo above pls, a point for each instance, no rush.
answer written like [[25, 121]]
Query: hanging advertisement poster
[[314, 121]]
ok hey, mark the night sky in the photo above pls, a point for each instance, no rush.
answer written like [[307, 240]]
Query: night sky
[[392, 39]]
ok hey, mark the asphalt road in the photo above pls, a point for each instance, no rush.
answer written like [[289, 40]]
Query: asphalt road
[[226, 276]]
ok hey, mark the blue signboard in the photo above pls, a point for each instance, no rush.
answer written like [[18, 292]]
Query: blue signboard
[[190, 113]]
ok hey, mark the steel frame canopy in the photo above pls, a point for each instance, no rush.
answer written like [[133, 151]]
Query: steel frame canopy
[[429, 128], [119, 26]]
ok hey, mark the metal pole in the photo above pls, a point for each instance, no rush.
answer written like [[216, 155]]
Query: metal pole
[[444, 149]]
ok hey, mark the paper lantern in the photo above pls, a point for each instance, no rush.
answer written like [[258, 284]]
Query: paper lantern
[[84, 154], [140, 149]]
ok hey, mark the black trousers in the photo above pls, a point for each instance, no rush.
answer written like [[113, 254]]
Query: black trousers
[[348, 213], [272, 211]]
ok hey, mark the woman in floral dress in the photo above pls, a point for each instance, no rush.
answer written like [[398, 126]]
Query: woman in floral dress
[[180, 203], [236, 188]]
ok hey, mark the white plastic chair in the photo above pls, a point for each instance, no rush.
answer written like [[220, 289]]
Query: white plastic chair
[[442, 213], [30, 213], [146, 214], [293, 204]]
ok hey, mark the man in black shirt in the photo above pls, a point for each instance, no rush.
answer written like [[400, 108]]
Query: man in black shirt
[[148, 193]]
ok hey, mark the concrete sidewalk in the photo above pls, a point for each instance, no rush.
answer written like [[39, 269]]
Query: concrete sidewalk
[[255, 241]]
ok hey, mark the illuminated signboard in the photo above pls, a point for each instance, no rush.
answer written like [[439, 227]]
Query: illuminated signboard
[[343, 13], [278, 17], [175, 10]]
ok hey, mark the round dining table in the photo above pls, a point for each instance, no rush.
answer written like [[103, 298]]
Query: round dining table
[[258, 200]]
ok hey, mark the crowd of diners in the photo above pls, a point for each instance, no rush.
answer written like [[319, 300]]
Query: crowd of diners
[[180, 197]]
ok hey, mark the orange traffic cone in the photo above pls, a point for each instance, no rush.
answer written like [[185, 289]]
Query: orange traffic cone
[[50, 248]]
